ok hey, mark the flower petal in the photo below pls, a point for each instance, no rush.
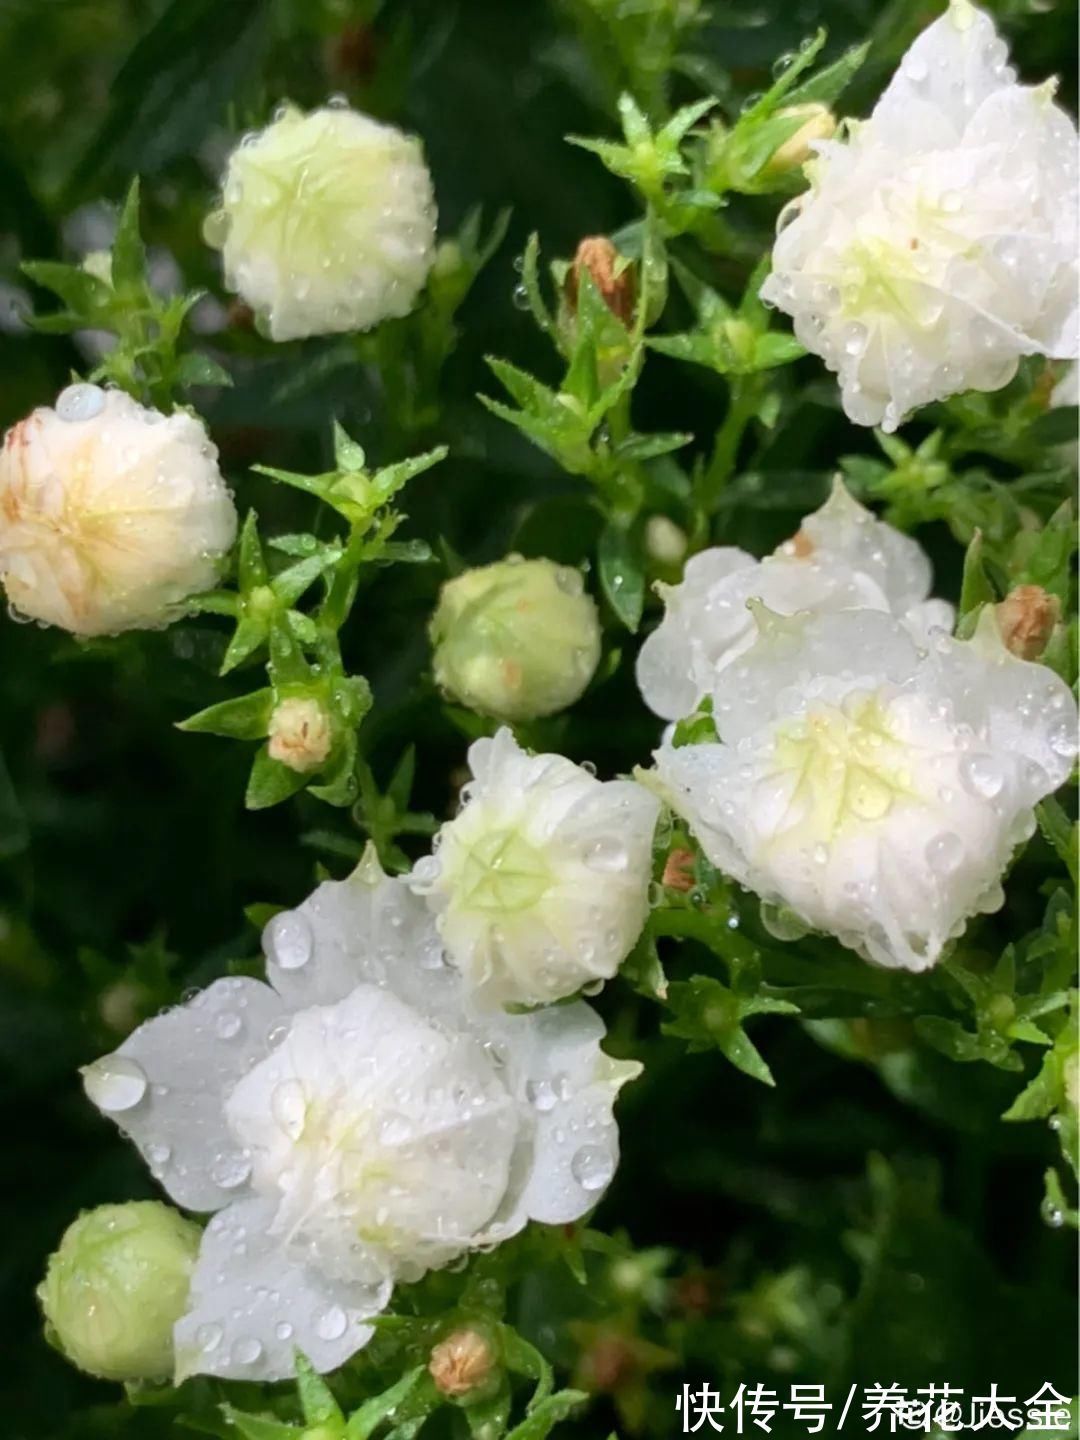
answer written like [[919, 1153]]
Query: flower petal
[[252, 1306], [166, 1087]]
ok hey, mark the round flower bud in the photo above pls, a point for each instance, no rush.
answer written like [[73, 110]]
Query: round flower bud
[[1026, 619], [517, 639], [611, 273], [461, 1364], [116, 1286], [300, 734], [327, 222], [111, 515], [665, 542], [819, 123]]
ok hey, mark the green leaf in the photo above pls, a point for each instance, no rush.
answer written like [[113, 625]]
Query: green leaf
[[540, 1421], [128, 250], [622, 572], [975, 589], [523, 1358], [270, 782], [251, 563], [316, 1398], [245, 718], [195, 368], [84, 294], [831, 80], [1058, 831], [255, 1427], [372, 1412]]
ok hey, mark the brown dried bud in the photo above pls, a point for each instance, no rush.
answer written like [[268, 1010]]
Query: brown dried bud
[[239, 316], [1026, 619], [461, 1364], [679, 871], [351, 54], [598, 256]]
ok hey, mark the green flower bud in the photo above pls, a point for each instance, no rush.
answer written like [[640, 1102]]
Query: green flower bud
[[517, 639], [116, 1286]]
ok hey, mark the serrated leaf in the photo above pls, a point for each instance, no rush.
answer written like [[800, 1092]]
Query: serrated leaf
[[829, 82]]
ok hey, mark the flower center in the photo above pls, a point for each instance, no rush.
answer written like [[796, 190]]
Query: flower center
[[846, 764], [502, 872]]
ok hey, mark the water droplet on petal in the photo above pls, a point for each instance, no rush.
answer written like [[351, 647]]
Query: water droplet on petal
[[592, 1167], [246, 1352], [208, 1337], [115, 1083], [332, 1324], [80, 402], [288, 940]]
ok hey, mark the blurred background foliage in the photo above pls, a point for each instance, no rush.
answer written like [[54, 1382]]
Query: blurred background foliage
[[870, 1218]]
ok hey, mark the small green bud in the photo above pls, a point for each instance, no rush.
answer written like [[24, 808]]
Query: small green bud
[[819, 123], [116, 1286], [516, 640]]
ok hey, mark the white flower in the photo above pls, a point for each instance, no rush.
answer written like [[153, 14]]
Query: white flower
[[327, 222], [874, 789], [111, 515], [939, 244], [300, 733], [541, 882], [841, 559], [354, 1125], [517, 640]]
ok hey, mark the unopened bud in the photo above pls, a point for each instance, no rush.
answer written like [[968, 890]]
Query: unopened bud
[[1026, 619], [819, 124], [611, 273], [116, 1286], [679, 871], [461, 1364], [664, 541], [300, 734], [516, 640]]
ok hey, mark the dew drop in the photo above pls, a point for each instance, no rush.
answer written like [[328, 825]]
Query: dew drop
[[246, 1352], [541, 1095], [228, 1024], [80, 402], [288, 940], [592, 1167], [208, 1337], [230, 1170], [332, 1324], [115, 1083]]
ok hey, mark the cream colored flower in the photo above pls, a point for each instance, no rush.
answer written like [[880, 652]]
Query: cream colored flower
[[841, 559], [541, 882], [874, 789], [517, 640], [938, 244], [300, 734], [111, 515], [327, 222], [353, 1124]]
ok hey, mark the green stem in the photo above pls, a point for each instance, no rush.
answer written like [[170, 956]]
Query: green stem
[[721, 466]]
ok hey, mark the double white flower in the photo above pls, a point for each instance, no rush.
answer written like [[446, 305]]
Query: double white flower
[[111, 514], [841, 559], [875, 789], [327, 222], [938, 244], [541, 882], [354, 1123]]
